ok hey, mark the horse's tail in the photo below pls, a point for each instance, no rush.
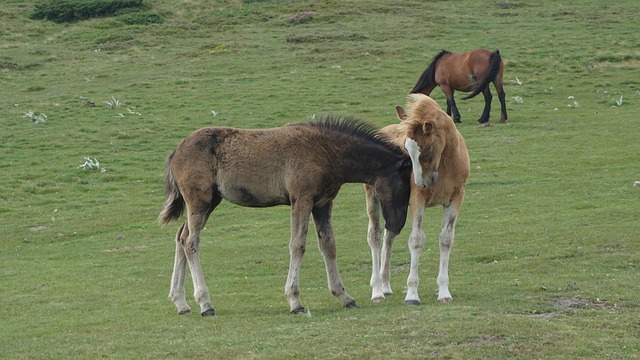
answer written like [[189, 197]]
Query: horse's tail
[[428, 77], [495, 61], [174, 202]]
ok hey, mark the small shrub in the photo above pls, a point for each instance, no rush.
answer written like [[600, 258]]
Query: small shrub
[[74, 10], [141, 18]]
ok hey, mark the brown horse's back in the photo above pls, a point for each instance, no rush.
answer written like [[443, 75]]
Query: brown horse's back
[[478, 62], [459, 79], [463, 71], [228, 161]]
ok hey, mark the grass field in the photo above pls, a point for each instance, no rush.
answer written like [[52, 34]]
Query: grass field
[[545, 263]]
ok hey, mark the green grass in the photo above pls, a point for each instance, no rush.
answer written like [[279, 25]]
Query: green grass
[[545, 263]]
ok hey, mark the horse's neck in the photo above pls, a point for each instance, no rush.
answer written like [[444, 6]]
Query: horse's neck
[[373, 163], [454, 142]]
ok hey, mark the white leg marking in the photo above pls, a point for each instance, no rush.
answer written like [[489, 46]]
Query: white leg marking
[[385, 261], [176, 293], [449, 216], [200, 290], [373, 238], [300, 212], [416, 243], [191, 249], [291, 289]]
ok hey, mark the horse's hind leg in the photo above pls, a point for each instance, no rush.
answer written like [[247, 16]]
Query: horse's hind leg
[[192, 251], [484, 118], [300, 210], [196, 219], [449, 216], [327, 244], [503, 105], [176, 293]]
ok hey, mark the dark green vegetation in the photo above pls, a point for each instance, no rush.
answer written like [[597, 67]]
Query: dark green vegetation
[[546, 258], [72, 10]]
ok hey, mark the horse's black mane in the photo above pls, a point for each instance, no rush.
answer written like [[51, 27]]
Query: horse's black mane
[[353, 127], [428, 77]]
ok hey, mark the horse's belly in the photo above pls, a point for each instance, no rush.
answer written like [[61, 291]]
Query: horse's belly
[[252, 197]]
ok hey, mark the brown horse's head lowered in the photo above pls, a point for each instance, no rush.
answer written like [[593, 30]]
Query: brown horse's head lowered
[[301, 165]]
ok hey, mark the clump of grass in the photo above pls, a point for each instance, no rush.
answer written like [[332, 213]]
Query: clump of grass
[[324, 38], [74, 10], [300, 18], [4, 65], [217, 49]]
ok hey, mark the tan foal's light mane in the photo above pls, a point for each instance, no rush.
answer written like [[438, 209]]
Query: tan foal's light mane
[[421, 107]]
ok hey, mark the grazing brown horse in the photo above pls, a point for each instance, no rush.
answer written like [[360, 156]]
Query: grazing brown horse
[[301, 165], [469, 71], [440, 171]]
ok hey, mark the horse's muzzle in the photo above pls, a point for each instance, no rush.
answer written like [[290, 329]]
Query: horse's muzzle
[[431, 177]]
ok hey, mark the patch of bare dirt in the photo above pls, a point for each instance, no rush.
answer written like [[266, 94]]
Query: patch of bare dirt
[[578, 303]]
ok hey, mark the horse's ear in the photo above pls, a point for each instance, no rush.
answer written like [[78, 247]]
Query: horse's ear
[[402, 115], [427, 128]]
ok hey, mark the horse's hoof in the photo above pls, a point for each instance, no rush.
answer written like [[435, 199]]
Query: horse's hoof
[[485, 124], [504, 121], [378, 299], [412, 302], [445, 300], [299, 310], [208, 312], [184, 312], [388, 294], [351, 305]]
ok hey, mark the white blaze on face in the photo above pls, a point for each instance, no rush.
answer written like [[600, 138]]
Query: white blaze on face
[[414, 153]]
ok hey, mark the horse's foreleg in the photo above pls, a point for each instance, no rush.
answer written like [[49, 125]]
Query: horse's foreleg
[[387, 247], [448, 107], [452, 109], [373, 238], [484, 118], [327, 244], [176, 293], [300, 211], [416, 243], [503, 105], [449, 216]]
